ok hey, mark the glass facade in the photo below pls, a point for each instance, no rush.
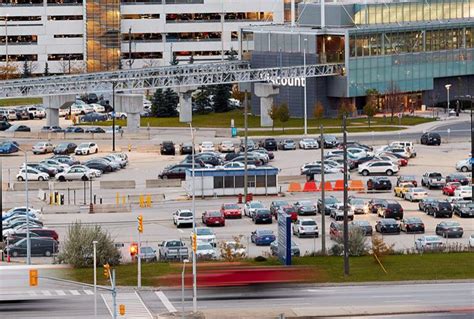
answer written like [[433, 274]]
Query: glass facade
[[415, 11], [103, 35]]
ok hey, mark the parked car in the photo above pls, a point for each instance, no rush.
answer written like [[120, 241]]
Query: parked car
[[295, 250], [186, 148], [172, 250], [262, 215], [374, 205], [387, 225], [251, 207], [33, 175], [42, 148], [335, 230], [308, 144], [18, 128], [464, 192], [213, 218], [305, 227], [183, 217], [290, 210], [305, 207], [412, 225], [430, 139], [75, 173], [456, 177], [402, 189], [439, 209], [177, 171], [207, 147], [87, 148], [74, 129], [337, 213], [65, 159], [464, 165], [330, 141], [52, 129], [226, 147], [379, 183], [51, 171], [95, 130], [40, 246], [390, 209], [330, 202], [429, 243], [100, 164], [358, 206], [287, 145], [8, 147], [205, 251], [407, 179], [235, 249], [147, 254], [276, 205], [415, 194], [424, 203], [4, 125], [262, 237], [378, 167], [167, 148], [65, 148], [449, 229], [250, 145], [270, 144], [464, 209], [35, 112], [432, 180], [449, 188], [363, 225], [231, 210], [205, 235]]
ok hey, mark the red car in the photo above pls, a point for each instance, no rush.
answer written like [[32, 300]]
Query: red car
[[289, 210], [231, 210], [402, 162], [449, 188], [213, 218]]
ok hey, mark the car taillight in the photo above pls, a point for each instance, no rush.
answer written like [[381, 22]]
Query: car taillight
[[401, 210]]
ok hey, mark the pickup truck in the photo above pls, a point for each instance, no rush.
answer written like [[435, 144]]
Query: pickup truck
[[432, 180], [173, 250], [35, 112]]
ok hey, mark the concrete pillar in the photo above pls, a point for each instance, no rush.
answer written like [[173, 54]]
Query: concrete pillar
[[186, 103], [52, 104], [266, 92], [132, 104]]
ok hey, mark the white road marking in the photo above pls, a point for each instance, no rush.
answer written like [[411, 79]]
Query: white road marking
[[89, 292], [60, 293], [75, 292], [46, 292], [169, 306], [105, 302], [181, 231], [144, 306]]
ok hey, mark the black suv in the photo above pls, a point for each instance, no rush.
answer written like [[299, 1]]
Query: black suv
[[379, 183], [430, 139], [4, 125], [390, 209], [270, 144], [167, 148], [40, 246], [440, 209], [330, 202]]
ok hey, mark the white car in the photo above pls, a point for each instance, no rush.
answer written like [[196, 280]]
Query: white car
[[464, 165], [428, 243], [52, 162], [183, 217], [226, 147], [97, 107], [337, 212], [207, 147], [118, 115], [146, 104], [358, 152], [75, 173], [87, 148], [308, 144], [464, 192], [471, 241], [406, 145], [251, 207], [305, 227], [238, 165], [81, 108], [205, 235], [120, 158], [205, 251], [33, 175], [21, 211], [378, 167], [415, 194], [42, 148], [93, 172]]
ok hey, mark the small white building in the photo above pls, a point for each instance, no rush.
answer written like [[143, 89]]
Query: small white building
[[230, 182]]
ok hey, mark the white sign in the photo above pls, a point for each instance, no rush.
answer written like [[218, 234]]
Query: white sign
[[298, 81]]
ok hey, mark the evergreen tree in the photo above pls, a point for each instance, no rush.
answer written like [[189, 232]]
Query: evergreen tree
[[171, 103], [26, 70], [157, 101], [283, 114], [221, 98], [202, 100], [46, 69], [232, 54], [174, 60]]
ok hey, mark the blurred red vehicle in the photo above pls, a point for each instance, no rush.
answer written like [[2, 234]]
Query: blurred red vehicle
[[449, 188], [213, 218], [289, 210], [231, 210]]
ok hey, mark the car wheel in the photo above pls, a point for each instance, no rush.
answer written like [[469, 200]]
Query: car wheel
[[41, 178], [84, 178], [389, 172], [47, 253], [21, 179], [365, 172], [96, 150], [464, 169], [435, 215], [88, 152], [15, 254]]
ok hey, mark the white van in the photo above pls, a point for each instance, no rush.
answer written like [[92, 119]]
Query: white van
[[406, 145]]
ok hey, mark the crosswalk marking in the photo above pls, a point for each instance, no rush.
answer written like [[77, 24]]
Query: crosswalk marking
[[169, 306], [60, 293], [135, 307], [89, 292], [46, 292], [75, 292]]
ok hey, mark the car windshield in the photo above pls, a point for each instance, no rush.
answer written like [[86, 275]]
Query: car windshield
[[263, 232], [174, 243], [147, 250], [83, 145], [331, 200], [357, 201], [435, 175], [308, 140], [204, 231], [263, 212], [452, 224], [280, 203], [431, 238], [214, 214], [231, 206], [408, 178], [306, 203], [413, 220], [308, 223], [416, 190], [256, 205], [204, 247]]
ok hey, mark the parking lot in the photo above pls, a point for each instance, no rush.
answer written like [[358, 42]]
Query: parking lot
[[158, 219]]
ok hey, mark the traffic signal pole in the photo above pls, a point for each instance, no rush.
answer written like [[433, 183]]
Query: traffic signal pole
[[139, 282], [114, 293]]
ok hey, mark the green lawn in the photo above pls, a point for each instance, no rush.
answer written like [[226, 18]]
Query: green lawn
[[278, 132], [20, 101], [224, 119], [328, 269]]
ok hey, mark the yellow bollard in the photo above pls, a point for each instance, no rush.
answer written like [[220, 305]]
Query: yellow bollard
[[123, 200], [50, 199], [140, 201], [58, 200], [117, 199], [148, 200], [129, 148]]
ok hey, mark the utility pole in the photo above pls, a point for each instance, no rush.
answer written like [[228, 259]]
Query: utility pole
[[139, 251], [95, 277], [346, 225], [194, 222], [323, 197], [113, 116], [6, 43], [130, 47], [245, 147], [305, 90]]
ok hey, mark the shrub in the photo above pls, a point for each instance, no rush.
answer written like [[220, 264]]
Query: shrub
[[357, 243], [380, 248], [232, 253]]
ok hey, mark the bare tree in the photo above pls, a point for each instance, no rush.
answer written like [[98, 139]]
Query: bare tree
[[393, 100], [10, 71], [150, 63]]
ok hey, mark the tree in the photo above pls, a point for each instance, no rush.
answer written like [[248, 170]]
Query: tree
[[221, 97], [283, 114], [318, 111], [393, 100], [174, 60], [26, 73], [171, 103], [232, 54], [345, 108], [370, 108], [157, 100], [237, 94], [380, 248], [46, 69], [77, 249], [202, 100], [233, 252], [9, 71], [273, 114]]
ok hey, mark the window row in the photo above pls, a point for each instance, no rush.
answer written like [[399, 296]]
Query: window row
[[216, 17], [61, 36], [139, 16], [65, 57], [142, 37], [19, 39], [65, 17], [21, 18], [19, 57], [238, 181], [193, 36]]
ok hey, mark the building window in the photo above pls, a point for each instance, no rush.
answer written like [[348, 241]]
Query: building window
[[229, 181], [142, 55], [19, 39], [193, 36], [65, 57], [260, 180], [271, 181], [251, 181], [64, 17], [218, 181], [140, 16], [239, 181], [142, 37], [60, 36], [17, 18], [19, 57], [64, 2]]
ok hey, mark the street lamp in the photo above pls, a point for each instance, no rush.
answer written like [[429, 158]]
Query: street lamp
[[94, 243], [447, 86], [28, 240], [182, 287], [305, 90], [471, 98], [6, 42], [194, 220]]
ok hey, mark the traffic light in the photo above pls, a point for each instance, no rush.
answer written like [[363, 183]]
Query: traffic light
[[33, 277], [133, 249], [140, 223], [106, 270], [194, 242], [122, 309]]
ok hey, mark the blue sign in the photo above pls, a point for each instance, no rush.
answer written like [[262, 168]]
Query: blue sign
[[284, 238], [472, 160], [233, 131]]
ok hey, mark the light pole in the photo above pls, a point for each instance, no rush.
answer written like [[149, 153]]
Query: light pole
[[28, 240], [113, 116], [305, 90], [448, 86], [471, 98], [194, 220], [323, 198], [182, 287], [94, 243], [346, 225], [6, 42]]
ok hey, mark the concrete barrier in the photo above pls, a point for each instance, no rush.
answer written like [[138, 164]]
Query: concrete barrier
[[57, 186], [157, 183], [117, 184], [108, 208], [32, 185]]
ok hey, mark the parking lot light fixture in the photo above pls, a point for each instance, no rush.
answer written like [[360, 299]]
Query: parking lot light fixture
[[28, 240], [194, 218], [448, 86]]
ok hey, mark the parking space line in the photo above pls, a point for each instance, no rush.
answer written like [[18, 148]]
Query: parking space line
[[46, 292], [75, 292], [60, 293], [169, 306], [88, 292], [106, 304]]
